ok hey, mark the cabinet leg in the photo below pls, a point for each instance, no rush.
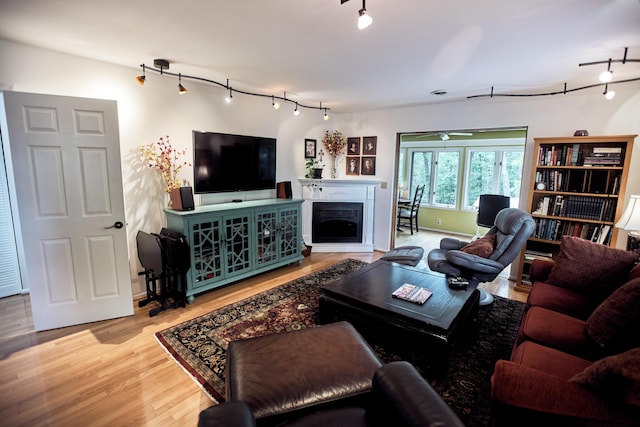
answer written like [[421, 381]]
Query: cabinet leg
[[190, 299]]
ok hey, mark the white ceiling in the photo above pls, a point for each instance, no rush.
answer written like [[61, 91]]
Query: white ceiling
[[313, 51]]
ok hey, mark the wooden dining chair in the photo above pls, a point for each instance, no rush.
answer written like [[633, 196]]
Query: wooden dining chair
[[409, 215]]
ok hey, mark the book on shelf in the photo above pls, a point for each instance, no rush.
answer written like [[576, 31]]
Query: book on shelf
[[412, 293], [607, 150], [542, 254]]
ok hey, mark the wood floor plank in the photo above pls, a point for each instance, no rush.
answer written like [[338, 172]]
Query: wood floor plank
[[114, 373]]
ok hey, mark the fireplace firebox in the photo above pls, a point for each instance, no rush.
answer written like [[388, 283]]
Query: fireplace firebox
[[337, 222]]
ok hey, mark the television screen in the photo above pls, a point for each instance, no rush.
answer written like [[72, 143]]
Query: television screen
[[225, 163]]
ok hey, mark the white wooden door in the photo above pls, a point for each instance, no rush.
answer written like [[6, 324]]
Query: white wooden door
[[10, 282], [65, 169]]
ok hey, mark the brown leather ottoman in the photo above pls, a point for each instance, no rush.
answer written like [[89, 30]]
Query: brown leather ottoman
[[281, 374]]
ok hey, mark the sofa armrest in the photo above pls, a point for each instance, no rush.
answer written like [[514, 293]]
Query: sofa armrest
[[235, 414], [521, 393], [539, 270], [404, 398]]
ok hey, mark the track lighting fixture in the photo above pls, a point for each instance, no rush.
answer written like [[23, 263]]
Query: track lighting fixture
[[325, 117], [606, 77], [161, 65], [364, 20], [142, 78], [609, 94], [181, 89], [229, 97]]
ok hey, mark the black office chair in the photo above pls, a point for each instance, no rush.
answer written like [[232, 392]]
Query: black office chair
[[409, 215], [512, 228]]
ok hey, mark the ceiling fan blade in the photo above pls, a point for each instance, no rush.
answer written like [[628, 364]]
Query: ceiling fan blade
[[460, 133]]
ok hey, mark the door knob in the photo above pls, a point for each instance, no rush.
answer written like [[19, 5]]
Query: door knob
[[117, 224]]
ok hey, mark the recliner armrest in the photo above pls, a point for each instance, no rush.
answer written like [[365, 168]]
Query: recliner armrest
[[474, 262], [451, 243], [404, 398]]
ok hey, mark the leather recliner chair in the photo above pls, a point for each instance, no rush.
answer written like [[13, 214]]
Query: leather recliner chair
[[512, 228]]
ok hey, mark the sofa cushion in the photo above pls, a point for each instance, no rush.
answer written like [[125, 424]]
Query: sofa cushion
[[562, 300], [546, 359], [482, 247], [617, 377], [614, 324], [590, 268], [557, 330]]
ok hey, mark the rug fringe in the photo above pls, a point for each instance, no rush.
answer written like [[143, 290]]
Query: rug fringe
[[193, 377]]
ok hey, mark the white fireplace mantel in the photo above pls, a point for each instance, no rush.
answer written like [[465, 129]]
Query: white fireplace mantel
[[339, 190]]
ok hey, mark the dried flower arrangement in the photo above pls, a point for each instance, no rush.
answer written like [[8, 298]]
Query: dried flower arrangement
[[335, 144], [162, 156]]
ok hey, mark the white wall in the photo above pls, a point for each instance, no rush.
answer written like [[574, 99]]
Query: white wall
[[155, 109]]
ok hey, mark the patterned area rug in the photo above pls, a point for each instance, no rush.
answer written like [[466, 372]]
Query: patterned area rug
[[199, 345]]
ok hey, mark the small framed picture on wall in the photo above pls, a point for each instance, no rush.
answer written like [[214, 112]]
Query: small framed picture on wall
[[310, 148], [353, 146], [368, 166], [369, 145], [353, 165]]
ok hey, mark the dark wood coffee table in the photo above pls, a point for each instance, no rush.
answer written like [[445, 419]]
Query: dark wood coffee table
[[363, 297]]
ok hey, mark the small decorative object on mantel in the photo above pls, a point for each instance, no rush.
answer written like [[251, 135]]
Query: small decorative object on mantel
[[314, 169], [162, 156], [335, 143], [581, 132]]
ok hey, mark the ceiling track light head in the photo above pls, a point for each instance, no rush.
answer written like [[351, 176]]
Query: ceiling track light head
[[141, 79], [364, 20], [181, 89], [608, 94]]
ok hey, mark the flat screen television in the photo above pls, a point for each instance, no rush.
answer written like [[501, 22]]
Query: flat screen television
[[226, 163]]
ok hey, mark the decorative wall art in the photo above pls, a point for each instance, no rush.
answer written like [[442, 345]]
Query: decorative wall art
[[310, 148], [369, 145], [353, 146], [368, 166], [353, 165]]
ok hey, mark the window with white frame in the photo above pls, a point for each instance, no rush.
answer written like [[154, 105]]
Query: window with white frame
[[492, 170], [455, 173], [439, 171]]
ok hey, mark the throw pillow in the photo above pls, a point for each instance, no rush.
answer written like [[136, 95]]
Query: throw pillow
[[615, 323], [616, 377], [481, 247], [591, 268]]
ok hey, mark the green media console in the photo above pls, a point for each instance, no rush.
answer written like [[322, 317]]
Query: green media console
[[233, 241]]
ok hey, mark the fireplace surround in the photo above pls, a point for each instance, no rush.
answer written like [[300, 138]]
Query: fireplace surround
[[336, 222], [345, 222]]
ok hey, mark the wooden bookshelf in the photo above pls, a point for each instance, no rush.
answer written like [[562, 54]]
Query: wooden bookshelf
[[577, 188]]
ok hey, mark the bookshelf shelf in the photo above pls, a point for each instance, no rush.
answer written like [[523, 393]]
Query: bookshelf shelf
[[577, 188]]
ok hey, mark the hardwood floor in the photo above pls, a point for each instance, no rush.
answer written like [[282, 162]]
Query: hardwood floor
[[114, 372]]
